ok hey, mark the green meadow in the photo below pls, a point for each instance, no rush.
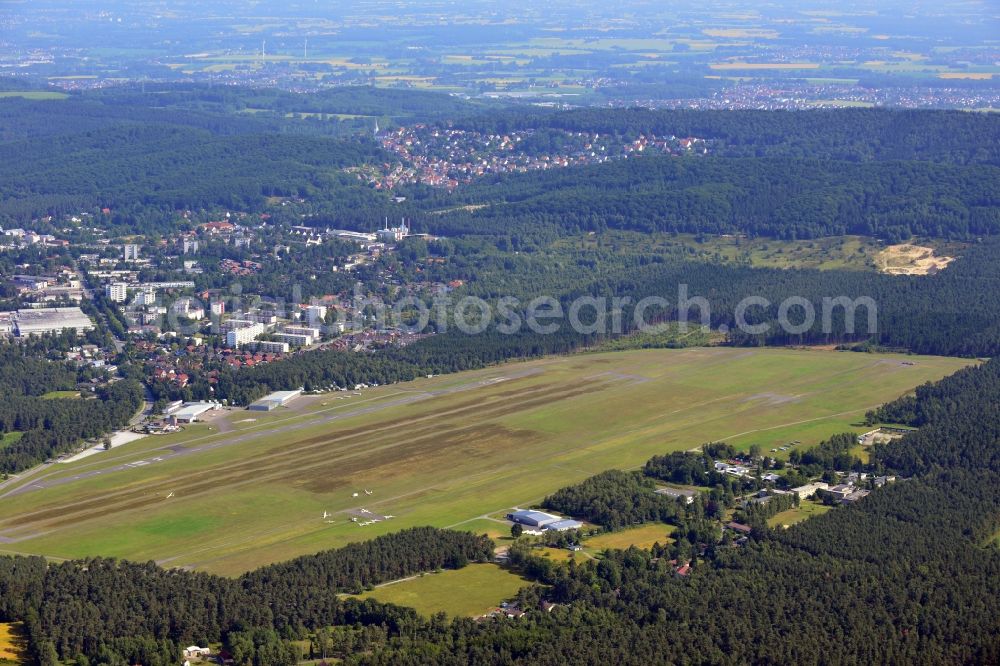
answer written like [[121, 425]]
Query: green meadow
[[466, 592]]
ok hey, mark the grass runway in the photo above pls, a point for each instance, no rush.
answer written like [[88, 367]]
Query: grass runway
[[447, 451]]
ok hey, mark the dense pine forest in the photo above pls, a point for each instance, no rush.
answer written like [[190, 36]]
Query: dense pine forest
[[852, 135], [103, 611], [147, 154], [780, 197], [37, 427]]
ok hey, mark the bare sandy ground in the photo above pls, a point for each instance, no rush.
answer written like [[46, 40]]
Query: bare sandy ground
[[907, 259]]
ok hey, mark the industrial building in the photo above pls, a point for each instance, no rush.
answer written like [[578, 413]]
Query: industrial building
[[51, 320], [531, 518], [190, 412], [274, 400], [356, 236], [394, 234], [539, 520], [31, 282]]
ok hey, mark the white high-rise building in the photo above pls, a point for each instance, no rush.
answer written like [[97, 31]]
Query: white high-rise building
[[244, 335], [315, 314], [117, 292]]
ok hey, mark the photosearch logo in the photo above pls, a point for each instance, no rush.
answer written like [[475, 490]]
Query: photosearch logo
[[753, 315]]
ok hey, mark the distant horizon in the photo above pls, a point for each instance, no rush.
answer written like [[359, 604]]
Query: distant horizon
[[695, 54]]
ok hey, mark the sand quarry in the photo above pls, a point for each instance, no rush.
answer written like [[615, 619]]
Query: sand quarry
[[909, 259]]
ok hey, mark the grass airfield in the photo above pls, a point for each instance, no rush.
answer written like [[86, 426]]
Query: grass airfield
[[250, 488]]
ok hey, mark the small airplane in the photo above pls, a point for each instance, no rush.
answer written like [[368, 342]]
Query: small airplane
[[368, 492], [325, 515], [170, 495], [331, 522], [388, 517]]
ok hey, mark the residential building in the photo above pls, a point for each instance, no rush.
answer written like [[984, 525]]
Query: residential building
[[302, 330], [271, 347], [116, 291], [245, 335], [315, 314], [294, 339]]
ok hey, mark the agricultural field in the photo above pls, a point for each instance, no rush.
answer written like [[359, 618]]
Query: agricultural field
[[451, 451], [466, 592]]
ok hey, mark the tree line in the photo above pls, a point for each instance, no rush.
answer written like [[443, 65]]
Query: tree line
[[106, 611], [51, 427], [780, 197]]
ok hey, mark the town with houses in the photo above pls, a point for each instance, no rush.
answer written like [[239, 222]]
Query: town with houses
[[449, 157], [162, 307]]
